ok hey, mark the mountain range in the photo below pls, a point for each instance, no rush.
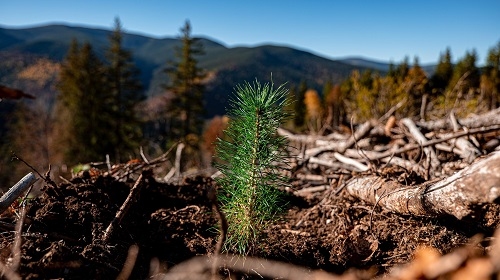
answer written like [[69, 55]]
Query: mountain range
[[30, 59]]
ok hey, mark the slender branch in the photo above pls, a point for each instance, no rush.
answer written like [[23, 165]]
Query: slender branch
[[16, 246], [46, 178], [124, 208]]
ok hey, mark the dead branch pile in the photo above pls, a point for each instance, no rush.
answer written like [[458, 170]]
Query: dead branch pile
[[408, 167]]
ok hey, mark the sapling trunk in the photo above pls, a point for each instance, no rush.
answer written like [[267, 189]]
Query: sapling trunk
[[248, 157]]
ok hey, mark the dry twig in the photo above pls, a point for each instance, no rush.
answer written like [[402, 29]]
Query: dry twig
[[134, 192]]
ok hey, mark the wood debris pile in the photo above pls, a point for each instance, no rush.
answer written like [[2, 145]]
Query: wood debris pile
[[407, 166]]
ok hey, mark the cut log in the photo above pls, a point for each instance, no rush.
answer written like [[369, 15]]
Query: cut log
[[458, 195]]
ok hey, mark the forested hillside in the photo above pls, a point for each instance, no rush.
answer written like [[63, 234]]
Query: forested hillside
[[104, 95], [151, 55]]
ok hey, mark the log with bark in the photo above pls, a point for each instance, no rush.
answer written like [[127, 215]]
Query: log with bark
[[458, 195]]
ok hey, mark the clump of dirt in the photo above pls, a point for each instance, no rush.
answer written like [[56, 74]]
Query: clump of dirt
[[63, 232]]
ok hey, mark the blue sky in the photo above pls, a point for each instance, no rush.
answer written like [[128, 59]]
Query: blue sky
[[381, 30]]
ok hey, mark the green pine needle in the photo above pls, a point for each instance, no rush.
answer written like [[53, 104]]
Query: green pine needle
[[249, 159]]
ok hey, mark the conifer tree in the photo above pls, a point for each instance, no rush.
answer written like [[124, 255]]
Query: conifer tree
[[83, 115], [250, 158], [366, 79], [402, 69], [417, 85], [490, 80], [290, 107], [300, 108], [126, 93], [392, 70], [442, 76], [462, 91], [186, 106], [466, 73]]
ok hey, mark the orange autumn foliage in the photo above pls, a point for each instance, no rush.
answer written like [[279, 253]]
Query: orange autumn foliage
[[314, 109]]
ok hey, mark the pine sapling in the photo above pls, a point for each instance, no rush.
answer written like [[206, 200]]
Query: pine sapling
[[251, 160]]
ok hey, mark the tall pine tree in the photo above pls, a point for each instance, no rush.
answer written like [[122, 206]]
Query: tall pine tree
[[299, 118], [442, 76], [462, 92], [465, 74], [186, 106], [83, 113], [126, 93]]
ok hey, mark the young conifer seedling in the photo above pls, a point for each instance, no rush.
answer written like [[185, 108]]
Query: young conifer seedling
[[248, 161]]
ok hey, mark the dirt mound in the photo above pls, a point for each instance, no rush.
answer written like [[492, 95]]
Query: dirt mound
[[63, 232], [64, 227]]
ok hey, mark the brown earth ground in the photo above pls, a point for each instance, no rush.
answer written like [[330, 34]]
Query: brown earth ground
[[62, 237]]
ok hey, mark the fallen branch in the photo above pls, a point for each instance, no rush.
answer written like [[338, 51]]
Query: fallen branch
[[490, 118], [223, 225], [457, 195], [16, 246], [308, 138], [421, 140], [178, 154], [341, 146], [406, 164], [410, 147], [331, 164], [311, 190], [469, 151], [8, 198], [134, 191], [358, 165], [124, 171]]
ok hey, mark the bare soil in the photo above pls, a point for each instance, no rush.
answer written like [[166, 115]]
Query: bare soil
[[62, 237]]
